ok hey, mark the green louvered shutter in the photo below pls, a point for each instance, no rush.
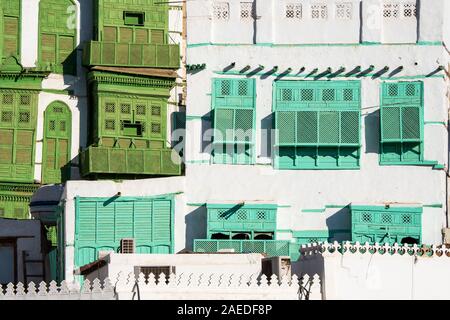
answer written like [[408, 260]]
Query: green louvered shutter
[[10, 36], [318, 124], [57, 142], [234, 120], [401, 122]]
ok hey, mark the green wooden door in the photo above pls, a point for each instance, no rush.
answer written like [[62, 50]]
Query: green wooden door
[[57, 141]]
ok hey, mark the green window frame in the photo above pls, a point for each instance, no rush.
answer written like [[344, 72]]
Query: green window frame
[[18, 122], [386, 224], [401, 123], [318, 124], [57, 42], [234, 119], [57, 143], [131, 121]]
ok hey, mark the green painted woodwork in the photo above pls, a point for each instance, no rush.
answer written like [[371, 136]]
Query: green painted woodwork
[[52, 235], [97, 53], [57, 36], [311, 236], [317, 124], [386, 224], [53, 263], [271, 247], [61, 243], [100, 224], [401, 123], [18, 120], [129, 122], [232, 219], [131, 33], [131, 21], [9, 30], [15, 199], [100, 161], [277, 45], [234, 102], [57, 143]]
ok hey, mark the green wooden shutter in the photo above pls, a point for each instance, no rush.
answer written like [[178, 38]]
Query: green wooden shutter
[[10, 36], [101, 223], [318, 124], [57, 143], [234, 120], [401, 122]]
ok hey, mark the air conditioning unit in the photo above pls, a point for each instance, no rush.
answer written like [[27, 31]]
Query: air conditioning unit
[[127, 245], [280, 266]]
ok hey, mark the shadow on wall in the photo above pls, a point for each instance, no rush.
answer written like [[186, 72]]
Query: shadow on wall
[[339, 225], [195, 226], [266, 136], [372, 132], [206, 119]]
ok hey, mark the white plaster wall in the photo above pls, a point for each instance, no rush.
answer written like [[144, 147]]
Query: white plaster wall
[[75, 85], [183, 263], [29, 233], [356, 276], [128, 188], [432, 25]]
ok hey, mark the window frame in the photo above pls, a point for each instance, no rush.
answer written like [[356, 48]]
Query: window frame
[[247, 148], [400, 141], [317, 154]]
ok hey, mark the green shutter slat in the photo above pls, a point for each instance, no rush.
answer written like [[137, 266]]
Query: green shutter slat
[[411, 123], [10, 36], [307, 123], [328, 127]]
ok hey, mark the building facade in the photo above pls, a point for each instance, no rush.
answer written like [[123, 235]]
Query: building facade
[[332, 115], [245, 126]]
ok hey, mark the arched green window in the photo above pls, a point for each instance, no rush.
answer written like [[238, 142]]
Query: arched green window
[[57, 36], [57, 139]]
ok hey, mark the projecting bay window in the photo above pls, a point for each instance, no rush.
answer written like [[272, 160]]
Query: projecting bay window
[[234, 121], [17, 135], [317, 124], [401, 117], [57, 36], [10, 26]]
